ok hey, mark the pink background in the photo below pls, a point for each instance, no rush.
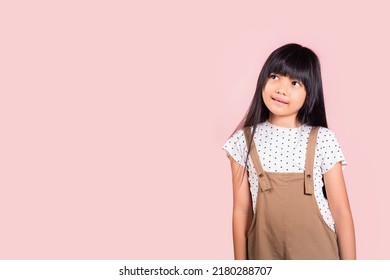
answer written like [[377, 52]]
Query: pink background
[[113, 115]]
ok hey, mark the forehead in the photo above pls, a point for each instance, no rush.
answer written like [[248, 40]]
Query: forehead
[[294, 68]]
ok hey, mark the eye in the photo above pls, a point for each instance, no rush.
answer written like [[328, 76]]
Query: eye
[[273, 76], [296, 83]]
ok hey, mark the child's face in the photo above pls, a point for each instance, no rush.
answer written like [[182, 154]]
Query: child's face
[[291, 92]]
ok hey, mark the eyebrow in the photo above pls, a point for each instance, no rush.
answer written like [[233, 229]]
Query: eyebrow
[[294, 79]]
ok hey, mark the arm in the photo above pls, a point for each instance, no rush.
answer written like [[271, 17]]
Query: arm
[[341, 212], [242, 209]]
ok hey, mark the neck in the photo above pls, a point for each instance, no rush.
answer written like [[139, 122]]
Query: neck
[[287, 122]]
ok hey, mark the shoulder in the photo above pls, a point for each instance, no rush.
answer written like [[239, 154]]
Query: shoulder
[[237, 135], [240, 133], [326, 135], [322, 131], [330, 149], [236, 146], [236, 141], [326, 131]]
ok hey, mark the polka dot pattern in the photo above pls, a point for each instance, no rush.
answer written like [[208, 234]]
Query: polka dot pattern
[[284, 150]]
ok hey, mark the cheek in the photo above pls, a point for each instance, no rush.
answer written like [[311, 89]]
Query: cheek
[[267, 89], [264, 93], [301, 96]]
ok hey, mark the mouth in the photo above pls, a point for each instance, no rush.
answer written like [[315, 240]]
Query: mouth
[[278, 100]]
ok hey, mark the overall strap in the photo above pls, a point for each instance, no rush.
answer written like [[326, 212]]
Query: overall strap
[[262, 177], [309, 164]]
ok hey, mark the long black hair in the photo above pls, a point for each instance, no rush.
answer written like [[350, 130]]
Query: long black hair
[[296, 62]]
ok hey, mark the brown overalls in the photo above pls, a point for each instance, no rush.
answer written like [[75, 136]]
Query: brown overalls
[[287, 223]]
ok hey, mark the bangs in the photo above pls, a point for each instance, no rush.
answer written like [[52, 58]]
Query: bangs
[[296, 66]]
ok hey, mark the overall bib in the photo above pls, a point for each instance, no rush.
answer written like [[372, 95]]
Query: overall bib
[[287, 223]]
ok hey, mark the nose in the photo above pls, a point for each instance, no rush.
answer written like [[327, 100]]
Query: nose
[[280, 91], [282, 86]]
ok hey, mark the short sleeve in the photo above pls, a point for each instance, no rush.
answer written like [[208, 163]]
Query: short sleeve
[[236, 147], [331, 151]]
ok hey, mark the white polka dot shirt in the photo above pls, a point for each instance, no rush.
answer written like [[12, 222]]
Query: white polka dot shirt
[[284, 150]]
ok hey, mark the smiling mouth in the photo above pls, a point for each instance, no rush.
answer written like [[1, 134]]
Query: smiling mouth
[[278, 101]]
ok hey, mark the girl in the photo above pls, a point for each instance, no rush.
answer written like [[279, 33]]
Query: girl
[[291, 202]]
